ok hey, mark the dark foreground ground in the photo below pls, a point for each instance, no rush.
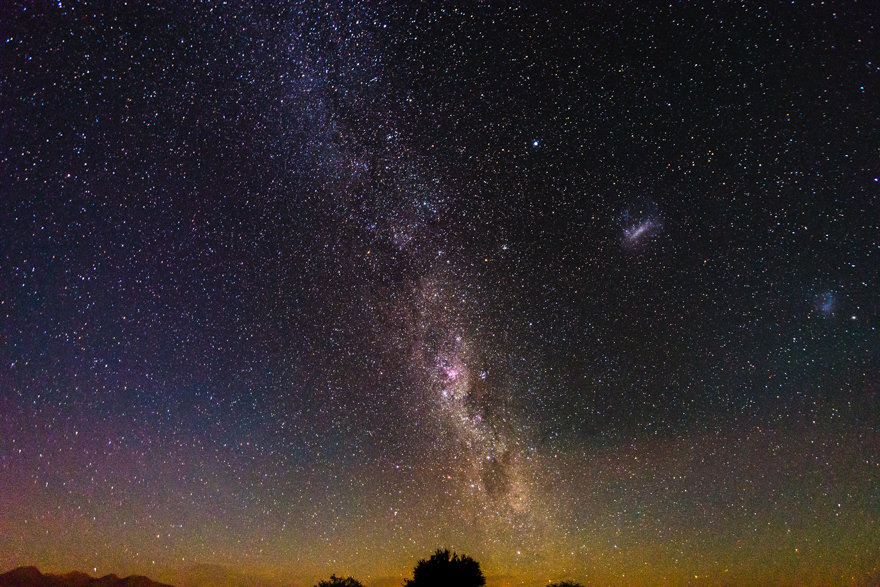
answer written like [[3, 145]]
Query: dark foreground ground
[[32, 577]]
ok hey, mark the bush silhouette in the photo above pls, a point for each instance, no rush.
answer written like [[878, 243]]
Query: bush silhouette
[[445, 570], [565, 584], [335, 581]]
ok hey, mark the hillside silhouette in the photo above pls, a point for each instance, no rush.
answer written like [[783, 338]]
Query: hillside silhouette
[[216, 575], [442, 569], [32, 577]]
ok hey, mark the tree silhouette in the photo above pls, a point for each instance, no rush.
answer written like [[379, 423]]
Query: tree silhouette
[[335, 581], [444, 570], [565, 584]]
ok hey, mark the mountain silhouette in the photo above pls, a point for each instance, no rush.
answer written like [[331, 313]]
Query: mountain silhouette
[[32, 577], [213, 575]]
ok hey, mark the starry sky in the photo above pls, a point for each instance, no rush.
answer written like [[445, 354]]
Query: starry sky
[[587, 293]]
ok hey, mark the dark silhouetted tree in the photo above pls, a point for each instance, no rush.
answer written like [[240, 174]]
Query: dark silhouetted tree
[[565, 584], [446, 570], [335, 581]]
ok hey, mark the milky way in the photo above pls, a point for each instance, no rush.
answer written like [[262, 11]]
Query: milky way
[[301, 289]]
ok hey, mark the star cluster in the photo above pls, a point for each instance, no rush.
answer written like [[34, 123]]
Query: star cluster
[[306, 288]]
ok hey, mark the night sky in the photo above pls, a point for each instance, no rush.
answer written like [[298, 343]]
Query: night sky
[[587, 294]]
